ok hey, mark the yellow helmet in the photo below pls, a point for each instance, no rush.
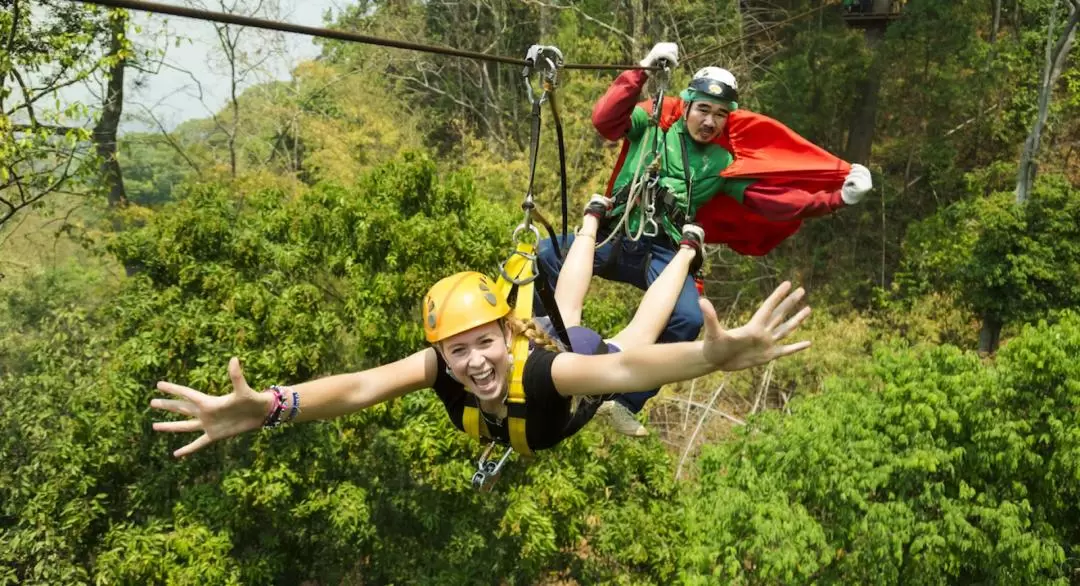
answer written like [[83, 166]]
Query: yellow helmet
[[460, 303]]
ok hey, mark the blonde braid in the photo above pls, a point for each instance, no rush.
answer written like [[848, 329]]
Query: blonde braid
[[534, 332], [541, 339]]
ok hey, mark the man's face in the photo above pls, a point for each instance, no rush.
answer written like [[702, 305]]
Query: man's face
[[705, 121]]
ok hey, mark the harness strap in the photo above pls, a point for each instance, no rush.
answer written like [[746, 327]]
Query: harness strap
[[519, 347], [544, 290], [562, 170], [686, 172], [471, 421], [517, 279]]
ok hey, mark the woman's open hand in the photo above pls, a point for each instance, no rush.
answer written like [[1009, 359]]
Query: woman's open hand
[[218, 417]]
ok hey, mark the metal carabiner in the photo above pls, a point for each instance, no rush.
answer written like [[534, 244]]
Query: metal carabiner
[[515, 237], [547, 59], [530, 258], [488, 471], [652, 228], [660, 79], [664, 75]]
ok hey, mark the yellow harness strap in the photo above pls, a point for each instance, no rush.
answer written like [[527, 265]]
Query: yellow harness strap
[[520, 268]]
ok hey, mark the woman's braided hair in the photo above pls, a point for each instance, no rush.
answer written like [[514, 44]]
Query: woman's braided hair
[[540, 338], [534, 332]]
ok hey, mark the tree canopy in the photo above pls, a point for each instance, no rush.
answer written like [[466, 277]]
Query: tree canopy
[[300, 234]]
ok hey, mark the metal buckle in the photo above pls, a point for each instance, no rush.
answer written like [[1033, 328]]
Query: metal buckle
[[519, 282]]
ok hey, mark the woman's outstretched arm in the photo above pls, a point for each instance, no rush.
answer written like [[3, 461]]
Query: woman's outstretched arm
[[220, 417], [650, 366]]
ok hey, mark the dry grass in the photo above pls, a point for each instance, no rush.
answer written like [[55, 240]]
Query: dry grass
[[48, 236], [689, 415]]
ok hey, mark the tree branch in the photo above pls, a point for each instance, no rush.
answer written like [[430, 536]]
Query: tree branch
[[10, 45], [54, 129], [691, 403], [169, 139], [464, 104], [1055, 61], [27, 102], [586, 16], [701, 421]]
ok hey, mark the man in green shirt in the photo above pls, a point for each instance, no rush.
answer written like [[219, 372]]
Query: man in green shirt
[[639, 234]]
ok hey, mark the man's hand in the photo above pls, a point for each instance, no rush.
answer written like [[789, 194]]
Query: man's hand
[[662, 51], [857, 184]]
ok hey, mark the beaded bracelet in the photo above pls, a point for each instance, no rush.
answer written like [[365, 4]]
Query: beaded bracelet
[[281, 403], [295, 409], [273, 419]]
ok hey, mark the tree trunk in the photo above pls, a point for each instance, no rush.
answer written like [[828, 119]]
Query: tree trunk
[[996, 8], [106, 128], [546, 15], [990, 334], [235, 106], [637, 16], [861, 132], [108, 125], [1056, 54]]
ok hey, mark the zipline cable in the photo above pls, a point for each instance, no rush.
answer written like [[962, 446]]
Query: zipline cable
[[240, 20]]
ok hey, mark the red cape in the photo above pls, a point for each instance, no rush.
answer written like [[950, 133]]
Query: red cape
[[766, 150]]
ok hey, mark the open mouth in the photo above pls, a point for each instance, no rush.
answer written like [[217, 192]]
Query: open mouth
[[484, 378]]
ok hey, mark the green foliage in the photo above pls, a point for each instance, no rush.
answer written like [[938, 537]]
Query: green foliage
[[297, 286], [48, 46], [1014, 262], [921, 466], [925, 468], [152, 169], [812, 104]]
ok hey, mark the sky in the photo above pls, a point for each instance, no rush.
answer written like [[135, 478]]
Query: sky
[[192, 81]]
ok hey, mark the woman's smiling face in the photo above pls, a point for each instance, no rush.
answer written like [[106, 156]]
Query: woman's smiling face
[[480, 359]]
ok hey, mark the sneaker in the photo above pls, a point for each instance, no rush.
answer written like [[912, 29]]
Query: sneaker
[[598, 206], [621, 419]]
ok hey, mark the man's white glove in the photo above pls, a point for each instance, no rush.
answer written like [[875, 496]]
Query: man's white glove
[[856, 185], [669, 51]]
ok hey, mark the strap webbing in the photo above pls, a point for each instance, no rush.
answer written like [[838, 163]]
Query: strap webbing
[[519, 268], [472, 422]]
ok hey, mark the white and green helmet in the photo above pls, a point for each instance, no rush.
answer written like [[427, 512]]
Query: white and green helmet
[[715, 85]]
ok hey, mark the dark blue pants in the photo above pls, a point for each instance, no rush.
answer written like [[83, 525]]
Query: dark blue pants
[[638, 264]]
